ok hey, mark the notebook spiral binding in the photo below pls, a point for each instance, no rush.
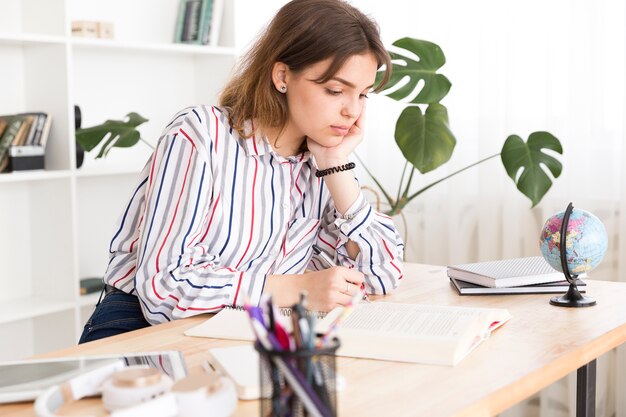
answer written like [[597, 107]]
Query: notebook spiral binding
[[285, 311]]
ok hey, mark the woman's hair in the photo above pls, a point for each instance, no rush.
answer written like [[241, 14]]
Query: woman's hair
[[303, 33]]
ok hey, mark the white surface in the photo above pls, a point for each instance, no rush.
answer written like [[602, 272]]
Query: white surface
[[56, 223]]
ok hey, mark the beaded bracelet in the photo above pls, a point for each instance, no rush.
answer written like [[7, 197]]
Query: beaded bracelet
[[332, 170]]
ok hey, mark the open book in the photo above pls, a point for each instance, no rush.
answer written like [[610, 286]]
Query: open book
[[415, 333], [440, 335]]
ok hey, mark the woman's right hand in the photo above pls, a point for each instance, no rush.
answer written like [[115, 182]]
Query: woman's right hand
[[326, 289], [330, 288]]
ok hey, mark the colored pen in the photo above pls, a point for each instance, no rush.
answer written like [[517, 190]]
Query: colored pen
[[329, 263], [345, 312]]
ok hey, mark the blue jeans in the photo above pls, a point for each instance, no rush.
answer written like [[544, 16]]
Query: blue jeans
[[118, 313]]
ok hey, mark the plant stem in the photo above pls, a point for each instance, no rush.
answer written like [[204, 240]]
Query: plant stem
[[146, 142], [406, 163], [408, 185], [387, 196], [448, 176]]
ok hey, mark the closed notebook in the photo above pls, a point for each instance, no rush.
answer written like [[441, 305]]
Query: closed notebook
[[506, 272], [241, 364], [558, 287]]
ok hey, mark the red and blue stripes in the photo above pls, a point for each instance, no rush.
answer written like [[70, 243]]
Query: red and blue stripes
[[213, 214]]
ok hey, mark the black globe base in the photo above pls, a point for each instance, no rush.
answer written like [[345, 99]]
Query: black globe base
[[572, 298]]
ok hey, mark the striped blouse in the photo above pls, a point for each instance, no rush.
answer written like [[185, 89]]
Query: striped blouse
[[213, 214]]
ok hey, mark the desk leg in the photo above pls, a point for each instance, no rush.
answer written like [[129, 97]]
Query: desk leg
[[586, 390]]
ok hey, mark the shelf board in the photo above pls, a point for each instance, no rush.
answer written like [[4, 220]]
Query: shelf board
[[106, 172], [28, 39], [89, 299], [29, 307], [34, 175], [152, 47]]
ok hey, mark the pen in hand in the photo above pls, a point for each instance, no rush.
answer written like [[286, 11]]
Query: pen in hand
[[329, 263]]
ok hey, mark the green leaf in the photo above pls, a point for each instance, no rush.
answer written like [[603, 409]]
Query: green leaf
[[431, 58], [118, 133], [528, 158], [425, 139]]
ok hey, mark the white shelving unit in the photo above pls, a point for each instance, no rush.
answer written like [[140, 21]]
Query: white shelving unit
[[55, 224]]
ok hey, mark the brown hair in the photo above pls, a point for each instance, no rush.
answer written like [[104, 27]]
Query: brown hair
[[303, 33]]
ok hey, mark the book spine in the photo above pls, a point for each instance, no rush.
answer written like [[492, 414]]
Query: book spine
[[216, 22], [192, 21], [45, 133], [180, 22], [205, 21], [41, 122], [7, 139], [22, 133]]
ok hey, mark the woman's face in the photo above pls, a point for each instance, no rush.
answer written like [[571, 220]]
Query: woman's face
[[325, 112]]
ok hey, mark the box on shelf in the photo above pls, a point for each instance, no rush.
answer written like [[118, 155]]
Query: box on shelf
[[92, 29], [23, 158]]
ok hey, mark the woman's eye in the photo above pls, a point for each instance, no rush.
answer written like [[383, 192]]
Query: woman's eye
[[333, 92], [364, 96]]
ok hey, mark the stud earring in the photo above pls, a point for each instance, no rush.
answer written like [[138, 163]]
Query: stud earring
[[283, 88]]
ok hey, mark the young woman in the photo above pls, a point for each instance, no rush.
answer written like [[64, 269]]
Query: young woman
[[235, 196]]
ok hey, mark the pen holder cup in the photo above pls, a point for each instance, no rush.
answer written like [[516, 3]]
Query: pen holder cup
[[300, 383]]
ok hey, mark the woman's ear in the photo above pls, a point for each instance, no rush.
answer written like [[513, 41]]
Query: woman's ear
[[279, 76]]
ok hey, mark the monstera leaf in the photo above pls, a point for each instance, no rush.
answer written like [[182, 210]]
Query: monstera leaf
[[118, 133], [523, 161], [431, 58], [425, 139]]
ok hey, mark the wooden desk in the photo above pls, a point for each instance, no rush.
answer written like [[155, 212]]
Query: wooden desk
[[538, 346]]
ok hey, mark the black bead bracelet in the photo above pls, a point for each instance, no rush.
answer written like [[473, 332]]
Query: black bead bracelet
[[332, 170]]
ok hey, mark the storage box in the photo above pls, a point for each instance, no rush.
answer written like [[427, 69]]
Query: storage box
[[23, 158], [92, 29], [85, 29]]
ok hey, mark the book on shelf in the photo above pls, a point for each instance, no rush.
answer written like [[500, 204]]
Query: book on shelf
[[414, 333], [12, 129], [216, 22], [24, 130], [506, 272], [91, 285], [558, 287], [199, 22], [189, 21], [23, 140]]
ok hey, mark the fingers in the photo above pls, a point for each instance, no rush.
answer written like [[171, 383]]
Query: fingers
[[357, 127], [344, 299], [353, 276]]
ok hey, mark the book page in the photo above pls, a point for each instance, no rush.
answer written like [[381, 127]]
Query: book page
[[411, 319]]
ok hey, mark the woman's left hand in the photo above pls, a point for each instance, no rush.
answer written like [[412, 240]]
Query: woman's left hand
[[338, 155]]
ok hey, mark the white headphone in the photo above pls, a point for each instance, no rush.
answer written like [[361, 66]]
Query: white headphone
[[139, 391]]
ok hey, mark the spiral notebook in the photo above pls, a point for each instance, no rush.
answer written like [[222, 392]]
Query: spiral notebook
[[233, 323]]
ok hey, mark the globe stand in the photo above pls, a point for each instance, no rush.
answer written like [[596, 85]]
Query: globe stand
[[573, 297]]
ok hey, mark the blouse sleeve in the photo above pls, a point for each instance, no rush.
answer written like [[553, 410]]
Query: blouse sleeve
[[381, 247], [175, 275]]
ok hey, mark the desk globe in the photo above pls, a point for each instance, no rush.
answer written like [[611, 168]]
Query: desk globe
[[585, 244]]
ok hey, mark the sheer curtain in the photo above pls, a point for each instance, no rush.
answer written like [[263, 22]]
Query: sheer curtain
[[516, 67]]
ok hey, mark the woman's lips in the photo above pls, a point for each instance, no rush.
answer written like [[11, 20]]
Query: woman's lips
[[340, 130]]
